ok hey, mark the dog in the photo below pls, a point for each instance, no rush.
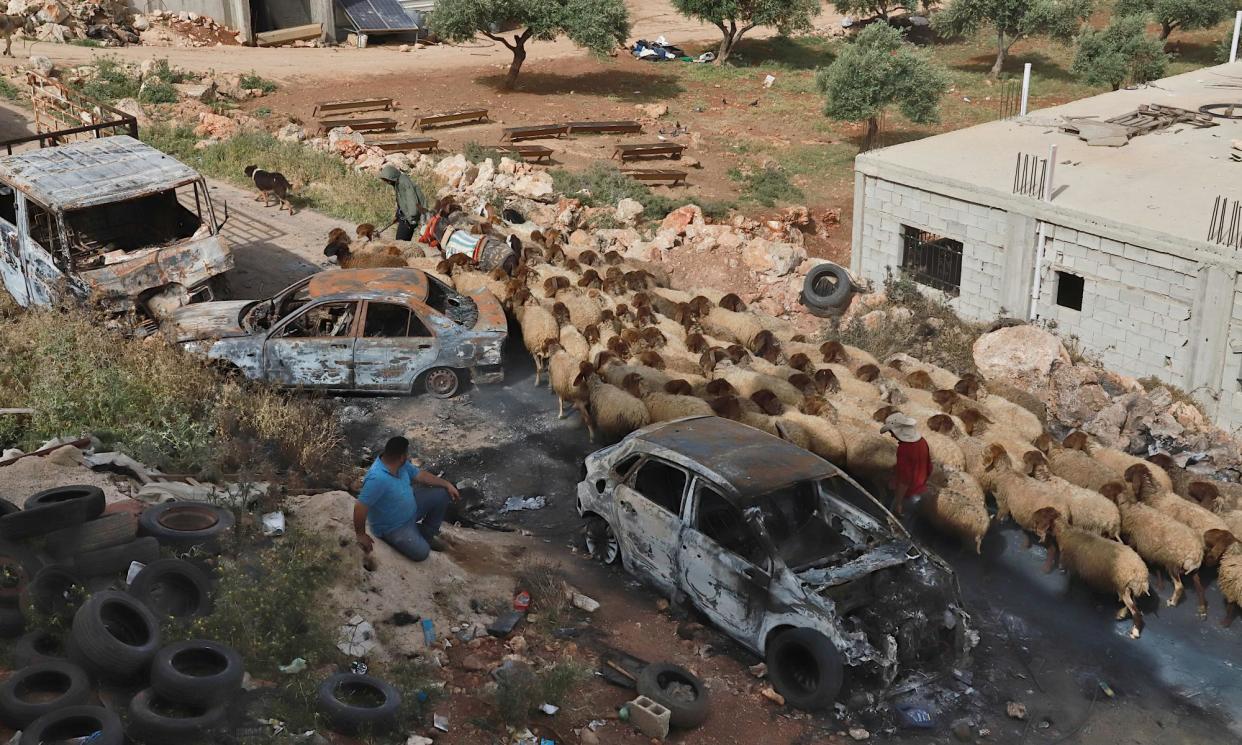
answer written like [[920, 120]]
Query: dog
[[11, 24], [271, 184]]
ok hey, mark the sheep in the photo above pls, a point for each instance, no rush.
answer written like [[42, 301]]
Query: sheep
[[1104, 565], [747, 382], [566, 373], [972, 448], [1017, 419], [1115, 460], [1207, 494], [1179, 477], [958, 508], [1160, 540], [1218, 496], [869, 456], [741, 328], [615, 412], [907, 364], [584, 308], [1074, 465], [664, 406], [823, 438], [538, 328], [851, 357], [1140, 477], [496, 282], [615, 372], [1017, 495], [1088, 510], [1227, 554]]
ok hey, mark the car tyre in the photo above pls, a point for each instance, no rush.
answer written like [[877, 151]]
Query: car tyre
[[827, 286], [76, 723], [116, 559], [51, 590], [197, 671], [159, 721], [104, 531], [114, 635], [12, 621], [654, 682], [184, 525], [53, 509], [36, 647], [347, 717], [40, 689], [442, 382], [173, 588], [806, 668], [600, 540]]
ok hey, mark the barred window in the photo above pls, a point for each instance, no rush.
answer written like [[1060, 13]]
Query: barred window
[[932, 260]]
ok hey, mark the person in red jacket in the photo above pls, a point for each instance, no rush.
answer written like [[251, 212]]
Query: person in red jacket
[[914, 466]]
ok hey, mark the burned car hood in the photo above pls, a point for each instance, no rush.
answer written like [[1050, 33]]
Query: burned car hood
[[491, 312], [197, 321], [880, 557]]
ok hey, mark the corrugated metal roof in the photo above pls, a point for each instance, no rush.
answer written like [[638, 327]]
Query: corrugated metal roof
[[94, 172]]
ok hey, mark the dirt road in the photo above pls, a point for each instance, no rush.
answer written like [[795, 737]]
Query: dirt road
[[650, 18]]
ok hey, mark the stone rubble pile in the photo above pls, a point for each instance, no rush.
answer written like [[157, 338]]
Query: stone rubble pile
[[114, 23]]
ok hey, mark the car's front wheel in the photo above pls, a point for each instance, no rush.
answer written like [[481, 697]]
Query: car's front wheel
[[442, 382], [805, 667], [601, 542]]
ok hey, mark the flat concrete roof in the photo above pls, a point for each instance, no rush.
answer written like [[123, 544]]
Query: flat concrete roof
[[1164, 182]]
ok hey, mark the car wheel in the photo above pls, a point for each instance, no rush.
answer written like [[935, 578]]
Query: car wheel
[[805, 668], [601, 542], [676, 689], [41, 689], [442, 382], [353, 702], [76, 723]]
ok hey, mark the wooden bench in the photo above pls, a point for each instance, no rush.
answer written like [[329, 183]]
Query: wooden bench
[[605, 127], [364, 124], [672, 178], [465, 116], [627, 153], [536, 132], [401, 143], [354, 106], [533, 153]]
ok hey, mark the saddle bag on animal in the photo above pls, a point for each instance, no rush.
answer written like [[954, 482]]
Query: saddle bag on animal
[[486, 252]]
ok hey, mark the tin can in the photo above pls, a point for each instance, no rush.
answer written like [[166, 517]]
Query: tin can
[[429, 632], [521, 601]]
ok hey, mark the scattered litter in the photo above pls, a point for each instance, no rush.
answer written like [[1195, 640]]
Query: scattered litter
[[419, 740], [134, 568], [429, 632], [706, 57], [860, 734], [914, 717], [521, 601], [582, 602], [760, 670], [118, 463], [770, 694], [357, 638], [1015, 710], [358, 667], [517, 504], [1106, 690], [768, 81], [596, 724], [274, 524], [298, 665], [440, 722], [549, 709], [401, 618], [504, 624]]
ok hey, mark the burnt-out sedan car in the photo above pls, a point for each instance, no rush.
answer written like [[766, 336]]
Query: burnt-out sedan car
[[781, 550], [368, 330]]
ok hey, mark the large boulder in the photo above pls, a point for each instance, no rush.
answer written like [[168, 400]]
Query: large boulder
[[214, 126], [628, 211], [682, 217], [1020, 354], [536, 185], [771, 257]]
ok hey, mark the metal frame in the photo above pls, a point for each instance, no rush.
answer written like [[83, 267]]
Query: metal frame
[[932, 260]]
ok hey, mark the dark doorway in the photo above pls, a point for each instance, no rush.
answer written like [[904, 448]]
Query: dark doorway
[[269, 15]]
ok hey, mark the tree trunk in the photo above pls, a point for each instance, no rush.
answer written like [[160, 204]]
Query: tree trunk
[[873, 129], [515, 67], [1166, 28], [730, 37], [1001, 50]]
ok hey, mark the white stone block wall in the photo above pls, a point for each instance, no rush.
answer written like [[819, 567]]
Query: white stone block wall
[[1136, 306], [980, 228]]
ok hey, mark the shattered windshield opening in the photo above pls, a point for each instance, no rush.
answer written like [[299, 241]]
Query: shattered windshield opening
[[795, 520], [459, 308], [106, 233]]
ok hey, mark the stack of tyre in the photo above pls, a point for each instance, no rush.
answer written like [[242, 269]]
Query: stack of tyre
[[54, 552]]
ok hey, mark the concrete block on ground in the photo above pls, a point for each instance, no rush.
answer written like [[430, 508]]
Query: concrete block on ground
[[649, 717]]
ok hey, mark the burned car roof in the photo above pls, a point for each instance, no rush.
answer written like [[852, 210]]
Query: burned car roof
[[93, 172], [407, 283], [752, 462]]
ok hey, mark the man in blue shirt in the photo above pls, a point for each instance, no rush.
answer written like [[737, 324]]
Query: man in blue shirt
[[403, 516]]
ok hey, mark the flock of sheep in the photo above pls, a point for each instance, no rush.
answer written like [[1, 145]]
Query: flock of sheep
[[625, 350]]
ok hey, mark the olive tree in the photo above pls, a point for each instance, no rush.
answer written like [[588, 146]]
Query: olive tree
[[735, 18], [1185, 15], [597, 25], [1120, 53], [877, 70], [1013, 20], [872, 8]]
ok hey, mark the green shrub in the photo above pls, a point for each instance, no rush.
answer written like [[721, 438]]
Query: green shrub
[[9, 91], [602, 185], [252, 81], [520, 689], [112, 81], [476, 153], [158, 91], [767, 186], [263, 112]]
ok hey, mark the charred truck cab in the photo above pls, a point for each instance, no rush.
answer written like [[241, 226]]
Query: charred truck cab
[[109, 220], [781, 550]]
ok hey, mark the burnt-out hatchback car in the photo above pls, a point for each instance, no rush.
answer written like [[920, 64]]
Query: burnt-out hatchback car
[[778, 548], [366, 330]]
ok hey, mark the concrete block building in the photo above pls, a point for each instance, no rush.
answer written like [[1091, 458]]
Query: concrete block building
[[1132, 250]]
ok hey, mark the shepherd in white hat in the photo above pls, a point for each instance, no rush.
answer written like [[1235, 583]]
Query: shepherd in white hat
[[914, 466]]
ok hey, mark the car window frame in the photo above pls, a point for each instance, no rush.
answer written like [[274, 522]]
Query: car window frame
[[759, 536], [414, 313], [685, 489], [275, 333]]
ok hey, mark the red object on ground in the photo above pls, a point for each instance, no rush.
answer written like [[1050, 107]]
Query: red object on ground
[[521, 601], [914, 466]]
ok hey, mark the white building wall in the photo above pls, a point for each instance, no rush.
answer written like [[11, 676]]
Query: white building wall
[[981, 229]]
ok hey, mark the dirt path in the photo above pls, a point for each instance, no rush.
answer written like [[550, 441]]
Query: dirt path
[[650, 19]]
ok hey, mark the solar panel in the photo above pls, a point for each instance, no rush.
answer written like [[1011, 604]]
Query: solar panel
[[372, 16]]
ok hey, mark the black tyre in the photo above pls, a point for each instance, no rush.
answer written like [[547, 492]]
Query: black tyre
[[12, 622], [116, 559], [155, 720], [7, 507], [805, 668], [75, 723], [36, 647], [442, 382], [184, 525], [354, 702], [197, 671], [53, 509], [103, 532], [601, 543], [41, 689], [114, 635], [826, 287], [55, 590], [173, 588], [676, 689]]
